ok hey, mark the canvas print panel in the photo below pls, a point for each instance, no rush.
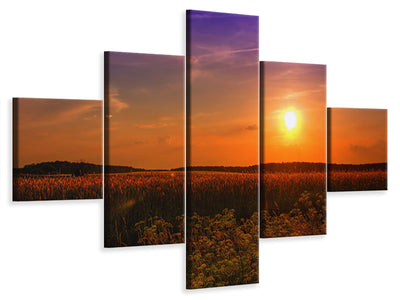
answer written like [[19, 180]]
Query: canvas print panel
[[144, 149], [222, 149], [357, 149], [293, 149], [57, 149]]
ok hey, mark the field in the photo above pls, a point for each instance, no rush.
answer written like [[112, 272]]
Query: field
[[222, 229], [292, 204], [357, 181], [144, 208], [56, 187]]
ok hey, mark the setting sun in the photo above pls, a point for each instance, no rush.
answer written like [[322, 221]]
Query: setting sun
[[290, 120]]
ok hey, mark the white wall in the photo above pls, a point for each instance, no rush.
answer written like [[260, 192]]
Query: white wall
[[54, 49]]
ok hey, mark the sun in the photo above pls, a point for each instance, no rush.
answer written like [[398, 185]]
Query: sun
[[290, 120]]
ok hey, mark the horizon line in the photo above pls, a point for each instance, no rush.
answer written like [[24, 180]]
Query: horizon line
[[199, 166]]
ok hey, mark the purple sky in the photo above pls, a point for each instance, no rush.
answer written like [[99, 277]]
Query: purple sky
[[223, 56]]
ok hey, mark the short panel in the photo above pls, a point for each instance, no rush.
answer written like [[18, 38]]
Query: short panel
[[57, 149], [357, 149]]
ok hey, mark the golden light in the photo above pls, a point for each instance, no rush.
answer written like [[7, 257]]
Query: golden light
[[290, 120]]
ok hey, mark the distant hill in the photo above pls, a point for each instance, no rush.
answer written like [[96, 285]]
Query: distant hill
[[59, 167], [81, 168], [73, 168], [122, 169]]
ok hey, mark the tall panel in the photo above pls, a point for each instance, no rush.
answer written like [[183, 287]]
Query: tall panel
[[222, 149], [144, 149], [57, 149], [357, 149], [293, 149]]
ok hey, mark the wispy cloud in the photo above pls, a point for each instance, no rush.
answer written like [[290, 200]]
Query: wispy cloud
[[161, 122], [297, 94], [203, 115], [219, 54], [116, 105], [50, 112], [152, 126]]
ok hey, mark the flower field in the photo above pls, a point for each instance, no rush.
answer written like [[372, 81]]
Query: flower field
[[293, 204], [222, 229]]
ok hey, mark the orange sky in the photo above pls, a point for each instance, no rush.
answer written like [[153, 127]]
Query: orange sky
[[58, 129], [145, 98], [300, 88], [223, 95], [357, 136]]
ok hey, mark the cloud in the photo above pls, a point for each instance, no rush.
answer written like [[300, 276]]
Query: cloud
[[222, 54], [193, 60], [161, 122], [379, 145], [90, 117], [152, 126], [212, 58], [204, 115], [296, 95], [138, 142], [252, 127], [166, 118], [363, 152], [116, 105], [197, 73], [219, 62], [169, 140], [51, 112]]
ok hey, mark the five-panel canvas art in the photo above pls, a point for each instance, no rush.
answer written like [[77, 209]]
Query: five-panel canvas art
[[251, 154]]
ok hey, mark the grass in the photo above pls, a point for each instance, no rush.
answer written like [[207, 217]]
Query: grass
[[56, 187], [293, 204], [357, 180], [144, 208]]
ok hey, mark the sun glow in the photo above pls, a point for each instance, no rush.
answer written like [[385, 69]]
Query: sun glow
[[290, 120]]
